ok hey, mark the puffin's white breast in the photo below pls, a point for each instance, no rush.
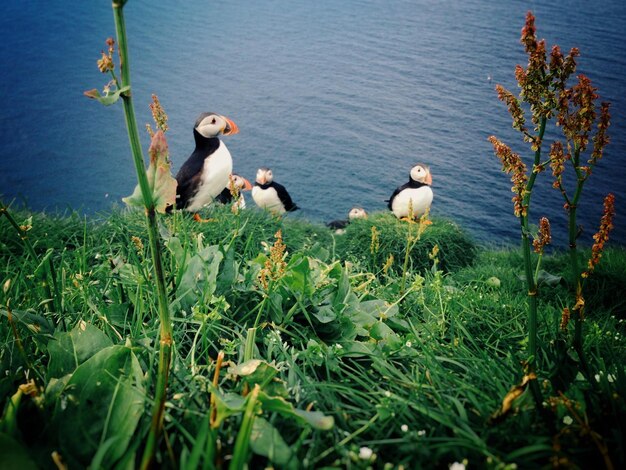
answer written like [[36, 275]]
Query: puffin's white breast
[[215, 173], [267, 199], [421, 199]]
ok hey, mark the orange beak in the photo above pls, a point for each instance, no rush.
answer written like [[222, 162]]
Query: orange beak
[[231, 128], [246, 185], [429, 179]]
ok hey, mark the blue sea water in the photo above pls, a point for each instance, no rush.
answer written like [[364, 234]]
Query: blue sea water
[[340, 99]]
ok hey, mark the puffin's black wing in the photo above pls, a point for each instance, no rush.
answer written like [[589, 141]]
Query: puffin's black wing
[[188, 178], [225, 197], [338, 224], [285, 198], [395, 193]]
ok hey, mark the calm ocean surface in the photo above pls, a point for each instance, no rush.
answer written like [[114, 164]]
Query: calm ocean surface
[[340, 99]]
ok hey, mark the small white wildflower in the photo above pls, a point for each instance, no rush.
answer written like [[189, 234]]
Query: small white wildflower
[[597, 377], [408, 344], [421, 432], [610, 377], [404, 428], [338, 346], [567, 420], [457, 466], [365, 453], [387, 393]]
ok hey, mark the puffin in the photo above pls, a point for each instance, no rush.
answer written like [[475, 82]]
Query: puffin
[[416, 192], [206, 172], [355, 213], [236, 185], [269, 195]]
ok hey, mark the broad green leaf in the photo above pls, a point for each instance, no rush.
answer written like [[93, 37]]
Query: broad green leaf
[[104, 399], [316, 419], [379, 308], [13, 456], [247, 368], [228, 274], [8, 421], [38, 325], [176, 248], [108, 98], [297, 277], [259, 372], [325, 314], [265, 440], [69, 350], [226, 404], [162, 183], [544, 278], [380, 331], [548, 279], [200, 276], [343, 291], [358, 349]]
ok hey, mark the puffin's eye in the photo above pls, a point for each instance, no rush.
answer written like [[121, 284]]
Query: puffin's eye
[[213, 121]]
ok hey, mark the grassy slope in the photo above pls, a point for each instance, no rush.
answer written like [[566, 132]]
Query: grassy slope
[[418, 390]]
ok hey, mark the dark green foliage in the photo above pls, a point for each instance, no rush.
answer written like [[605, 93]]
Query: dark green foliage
[[413, 374], [456, 249]]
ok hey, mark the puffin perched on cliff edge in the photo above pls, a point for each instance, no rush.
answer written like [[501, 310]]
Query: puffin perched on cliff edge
[[416, 192], [269, 195], [205, 173]]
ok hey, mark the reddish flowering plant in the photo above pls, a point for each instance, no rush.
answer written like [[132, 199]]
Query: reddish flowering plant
[[545, 91], [602, 235], [544, 236], [159, 115], [513, 165]]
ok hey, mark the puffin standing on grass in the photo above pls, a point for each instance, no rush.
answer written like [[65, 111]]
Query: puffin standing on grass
[[206, 172], [236, 185], [416, 193], [269, 195]]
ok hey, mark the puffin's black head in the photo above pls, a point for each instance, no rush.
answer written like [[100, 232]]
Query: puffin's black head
[[264, 176], [421, 174], [212, 124]]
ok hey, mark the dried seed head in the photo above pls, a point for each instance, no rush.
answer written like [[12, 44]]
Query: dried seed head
[[602, 236], [513, 164], [158, 114], [544, 237]]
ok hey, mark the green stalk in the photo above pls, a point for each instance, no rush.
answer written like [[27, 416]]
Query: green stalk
[[577, 342], [165, 343], [530, 278], [240, 453], [531, 282]]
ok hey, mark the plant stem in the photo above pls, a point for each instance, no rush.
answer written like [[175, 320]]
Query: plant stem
[[240, 452], [165, 343], [577, 342], [530, 278]]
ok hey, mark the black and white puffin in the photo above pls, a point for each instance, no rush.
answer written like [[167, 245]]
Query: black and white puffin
[[416, 193], [205, 173], [236, 185], [355, 213], [269, 195]]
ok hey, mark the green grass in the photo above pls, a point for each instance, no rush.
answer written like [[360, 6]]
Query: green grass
[[410, 364]]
